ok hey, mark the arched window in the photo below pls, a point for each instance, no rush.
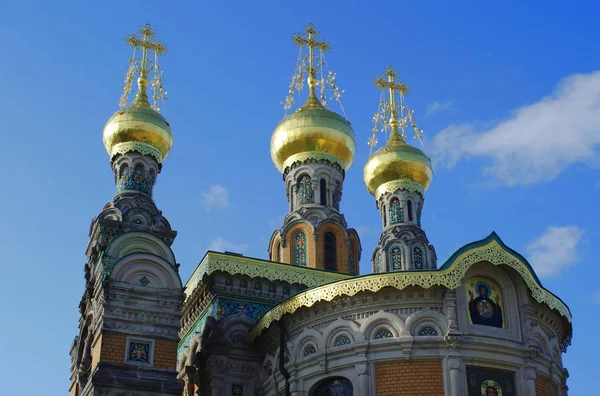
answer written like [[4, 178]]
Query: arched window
[[418, 258], [409, 208], [383, 333], [396, 212], [379, 262], [396, 259], [384, 216], [342, 340], [323, 191], [306, 195], [337, 386], [300, 249], [309, 350], [428, 331], [419, 210], [330, 252]]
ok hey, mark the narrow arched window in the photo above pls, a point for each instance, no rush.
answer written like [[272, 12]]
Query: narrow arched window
[[292, 197], [379, 262], [410, 211], [384, 216], [337, 195], [306, 195], [323, 191], [300, 249], [418, 258], [396, 259], [396, 212], [330, 252]]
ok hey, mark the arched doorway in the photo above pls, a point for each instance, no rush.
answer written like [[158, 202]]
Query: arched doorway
[[335, 386]]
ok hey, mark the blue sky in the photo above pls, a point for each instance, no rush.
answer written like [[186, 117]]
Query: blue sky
[[508, 95]]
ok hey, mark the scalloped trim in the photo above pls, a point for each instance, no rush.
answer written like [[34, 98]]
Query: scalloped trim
[[395, 185], [140, 147], [300, 157], [450, 278]]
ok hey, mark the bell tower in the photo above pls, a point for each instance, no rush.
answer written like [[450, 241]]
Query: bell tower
[[131, 306], [313, 147], [398, 175]]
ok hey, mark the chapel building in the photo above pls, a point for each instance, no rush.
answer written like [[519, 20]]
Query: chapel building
[[305, 322]]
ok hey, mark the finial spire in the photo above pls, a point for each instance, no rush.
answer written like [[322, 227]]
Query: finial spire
[[146, 41], [312, 65], [393, 114]]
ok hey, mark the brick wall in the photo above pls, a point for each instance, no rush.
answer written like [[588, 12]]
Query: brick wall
[[165, 354], [544, 386], [413, 378], [113, 349]]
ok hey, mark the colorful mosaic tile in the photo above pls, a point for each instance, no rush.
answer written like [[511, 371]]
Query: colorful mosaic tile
[[139, 352], [306, 194], [396, 212], [140, 180], [396, 259], [300, 249], [418, 258], [380, 262]]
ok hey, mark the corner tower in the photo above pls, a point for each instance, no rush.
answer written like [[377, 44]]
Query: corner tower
[[313, 147], [398, 175], [131, 307]]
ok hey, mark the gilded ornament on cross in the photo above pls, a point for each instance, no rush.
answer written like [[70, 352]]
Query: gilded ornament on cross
[[312, 68], [393, 116], [143, 65]]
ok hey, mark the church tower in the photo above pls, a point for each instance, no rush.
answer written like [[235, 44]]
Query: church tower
[[313, 147], [131, 307], [398, 175]]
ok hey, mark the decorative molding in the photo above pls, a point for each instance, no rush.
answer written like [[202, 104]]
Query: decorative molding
[[313, 155], [449, 276], [259, 269], [140, 147], [395, 185]]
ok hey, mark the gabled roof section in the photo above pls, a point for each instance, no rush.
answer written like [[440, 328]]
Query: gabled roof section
[[450, 275], [235, 264]]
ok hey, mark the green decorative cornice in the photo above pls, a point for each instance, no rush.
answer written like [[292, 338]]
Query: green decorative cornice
[[255, 268], [314, 155], [140, 147], [395, 185], [449, 275]]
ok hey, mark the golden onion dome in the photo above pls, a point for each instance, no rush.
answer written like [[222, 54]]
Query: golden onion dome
[[397, 165], [138, 127], [312, 131]]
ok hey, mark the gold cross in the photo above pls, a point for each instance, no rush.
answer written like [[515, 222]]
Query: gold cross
[[393, 85], [311, 42], [145, 39]]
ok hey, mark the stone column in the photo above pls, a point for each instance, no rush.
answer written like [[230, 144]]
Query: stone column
[[362, 375], [188, 381], [529, 370], [453, 363]]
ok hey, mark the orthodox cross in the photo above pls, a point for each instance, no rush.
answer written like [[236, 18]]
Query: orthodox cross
[[146, 40], [311, 42], [390, 83]]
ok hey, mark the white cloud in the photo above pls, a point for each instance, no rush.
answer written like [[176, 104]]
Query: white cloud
[[538, 141], [437, 106], [555, 250], [216, 197], [222, 245]]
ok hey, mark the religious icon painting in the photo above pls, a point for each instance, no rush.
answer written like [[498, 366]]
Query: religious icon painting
[[485, 303], [484, 382], [139, 352]]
